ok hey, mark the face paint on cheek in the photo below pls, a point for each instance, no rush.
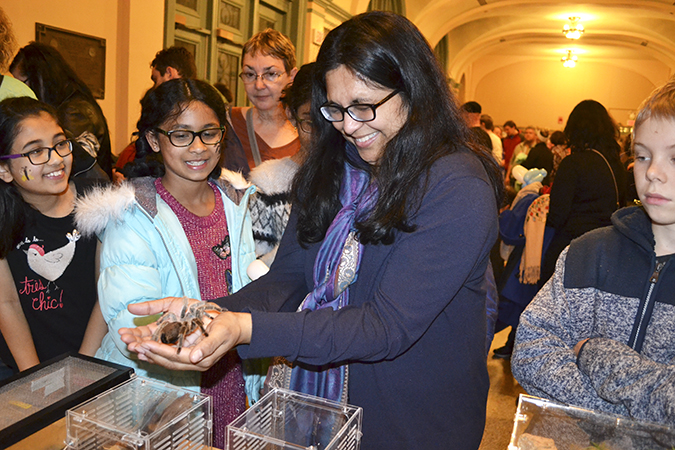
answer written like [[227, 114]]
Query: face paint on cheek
[[26, 176]]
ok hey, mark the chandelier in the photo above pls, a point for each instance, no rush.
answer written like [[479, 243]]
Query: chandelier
[[574, 29], [569, 60]]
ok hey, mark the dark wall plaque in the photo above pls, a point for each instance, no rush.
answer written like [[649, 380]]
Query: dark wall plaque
[[85, 54]]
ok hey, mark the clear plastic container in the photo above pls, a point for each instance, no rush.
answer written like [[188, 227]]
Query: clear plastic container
[[141, 414], [288, 420], [541, 424]]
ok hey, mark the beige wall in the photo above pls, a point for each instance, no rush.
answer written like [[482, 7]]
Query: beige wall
[[536, 92], [133, 30], [145, 19], [318, 21], [540, 93]]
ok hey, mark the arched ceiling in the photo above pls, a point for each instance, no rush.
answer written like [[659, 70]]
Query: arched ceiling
[[631, 34]]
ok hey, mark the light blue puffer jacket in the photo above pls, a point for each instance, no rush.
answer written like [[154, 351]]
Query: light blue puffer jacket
[[145, 255]]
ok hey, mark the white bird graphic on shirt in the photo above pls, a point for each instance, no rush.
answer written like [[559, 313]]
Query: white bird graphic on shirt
[[51, 265]]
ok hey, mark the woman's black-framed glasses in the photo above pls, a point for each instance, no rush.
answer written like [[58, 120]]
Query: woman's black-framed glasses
[[42, 155], [361, 112], [185, 138]]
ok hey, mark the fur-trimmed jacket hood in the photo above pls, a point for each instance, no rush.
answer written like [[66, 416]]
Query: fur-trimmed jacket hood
[[274, 176], [102, 205]]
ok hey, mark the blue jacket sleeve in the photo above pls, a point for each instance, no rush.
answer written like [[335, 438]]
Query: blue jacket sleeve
[[512, 221], [423, 272], [128, 274], [135, 266], [621, 375]]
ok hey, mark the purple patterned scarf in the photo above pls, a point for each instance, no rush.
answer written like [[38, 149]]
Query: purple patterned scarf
[[339, 249]]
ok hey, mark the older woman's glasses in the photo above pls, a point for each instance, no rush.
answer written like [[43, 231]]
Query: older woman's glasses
[[42, 155], [185, 138], [361, 112], [252, 77]]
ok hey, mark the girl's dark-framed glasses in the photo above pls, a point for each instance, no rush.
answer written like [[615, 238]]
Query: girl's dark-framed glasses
[[361, 112], [185, 138], [42, 155], [304, 124]]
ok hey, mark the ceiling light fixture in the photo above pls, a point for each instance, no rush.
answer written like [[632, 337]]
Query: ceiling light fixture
[[569, 60], [574, 29]]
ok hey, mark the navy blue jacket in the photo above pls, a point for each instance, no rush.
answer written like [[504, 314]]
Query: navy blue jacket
[[414, 333]]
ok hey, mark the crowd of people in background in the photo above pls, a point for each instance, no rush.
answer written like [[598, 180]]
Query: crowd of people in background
[[586, 243], [350, 226], [578, 179]]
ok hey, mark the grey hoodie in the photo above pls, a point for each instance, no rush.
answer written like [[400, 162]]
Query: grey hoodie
[[607, 288]]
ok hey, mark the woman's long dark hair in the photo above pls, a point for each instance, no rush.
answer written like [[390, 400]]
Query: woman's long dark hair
[[13, 209], [49, 75], [590, 126], [55, 82], [166, 102], [386, 50]]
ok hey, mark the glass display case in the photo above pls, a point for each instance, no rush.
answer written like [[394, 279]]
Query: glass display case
[[40, 396], [541, 424]]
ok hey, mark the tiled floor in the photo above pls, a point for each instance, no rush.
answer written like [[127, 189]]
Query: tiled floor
[[502, 399]]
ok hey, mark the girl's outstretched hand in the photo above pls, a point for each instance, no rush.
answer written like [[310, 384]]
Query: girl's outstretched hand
[[227, 330]]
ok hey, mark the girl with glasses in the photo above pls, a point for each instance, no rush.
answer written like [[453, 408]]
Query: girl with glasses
[[268, 66], [48, 300], [378, 290], [185, 230]]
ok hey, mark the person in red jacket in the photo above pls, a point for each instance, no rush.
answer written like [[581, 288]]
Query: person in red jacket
[[512, 139]]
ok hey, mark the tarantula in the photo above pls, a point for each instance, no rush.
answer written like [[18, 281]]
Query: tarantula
[[173, 330]]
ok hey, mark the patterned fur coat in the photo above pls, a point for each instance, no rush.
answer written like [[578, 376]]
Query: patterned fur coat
[[270, 206]]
